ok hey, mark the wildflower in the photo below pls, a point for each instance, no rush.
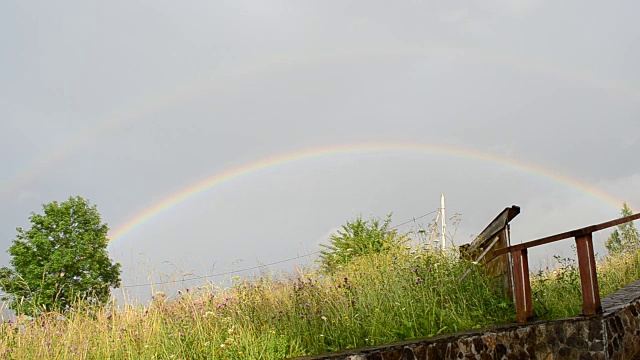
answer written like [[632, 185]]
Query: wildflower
[[323, 318], [307, 305]]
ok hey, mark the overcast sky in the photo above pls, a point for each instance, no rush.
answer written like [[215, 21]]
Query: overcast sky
[[127, 103]]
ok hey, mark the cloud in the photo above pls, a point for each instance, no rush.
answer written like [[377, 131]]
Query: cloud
[[625, 188], [455, 16], [27, 196], [514, 8]]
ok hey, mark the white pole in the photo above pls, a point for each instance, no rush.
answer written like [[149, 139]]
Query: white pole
[[443, 221]]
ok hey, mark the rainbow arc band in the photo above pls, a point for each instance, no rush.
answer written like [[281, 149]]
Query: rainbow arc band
[[297, 156], [221, 77]]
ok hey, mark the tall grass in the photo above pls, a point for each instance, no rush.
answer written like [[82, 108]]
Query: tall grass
[[376, 299], [557, 292], [399, 294]]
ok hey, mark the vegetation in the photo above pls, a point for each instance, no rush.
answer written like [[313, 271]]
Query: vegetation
[[625, 237], [375, 298], [357, 238], [557, 293], [62, 258]]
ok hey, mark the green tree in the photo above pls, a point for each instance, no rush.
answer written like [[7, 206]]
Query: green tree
[[356, 238], [61, 259], [625, 237]]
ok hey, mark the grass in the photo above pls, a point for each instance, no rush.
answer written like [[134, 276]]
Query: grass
[[376, 299], [557, 293]]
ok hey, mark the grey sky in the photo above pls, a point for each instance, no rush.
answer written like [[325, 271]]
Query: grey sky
[[126, 103]]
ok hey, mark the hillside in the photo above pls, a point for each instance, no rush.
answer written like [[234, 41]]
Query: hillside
[[398, 294]]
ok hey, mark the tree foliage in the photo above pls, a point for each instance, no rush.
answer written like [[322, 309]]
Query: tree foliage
[[356, 238], [625, 237], [61, 259]]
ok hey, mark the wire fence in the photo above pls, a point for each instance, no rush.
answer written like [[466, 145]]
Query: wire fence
[[257, 267]]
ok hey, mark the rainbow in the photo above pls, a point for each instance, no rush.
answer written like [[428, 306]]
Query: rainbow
[[296, 156], [221, 77]]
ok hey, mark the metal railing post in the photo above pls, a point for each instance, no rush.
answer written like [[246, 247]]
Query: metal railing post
[[522, 286], [588, 276]]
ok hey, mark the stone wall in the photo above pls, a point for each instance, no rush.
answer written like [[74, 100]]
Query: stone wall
[[621, 323], [614, 334]]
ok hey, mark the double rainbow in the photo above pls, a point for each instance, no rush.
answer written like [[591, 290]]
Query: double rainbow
[[221, 77]]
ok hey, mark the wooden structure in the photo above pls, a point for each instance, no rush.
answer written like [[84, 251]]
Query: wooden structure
[[495, 236], [586, 263]]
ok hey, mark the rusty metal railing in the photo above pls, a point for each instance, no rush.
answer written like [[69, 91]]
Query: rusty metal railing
[[586, 263]]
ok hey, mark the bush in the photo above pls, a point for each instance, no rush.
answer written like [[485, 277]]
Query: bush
[[357, 238]]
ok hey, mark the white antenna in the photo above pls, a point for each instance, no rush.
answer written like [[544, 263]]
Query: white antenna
[[443, 221]]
